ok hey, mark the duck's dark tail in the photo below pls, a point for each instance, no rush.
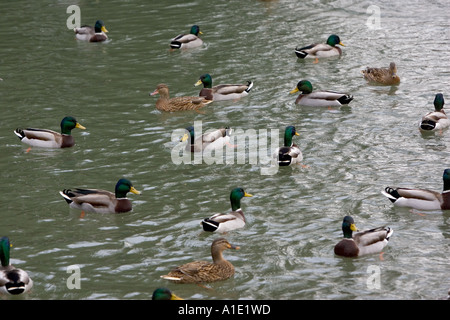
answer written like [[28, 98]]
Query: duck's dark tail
[[345, 99], [284, 158], [250, 86], [428, 125], [210, 225], [175, 45], [391, 194], [66, 194], [19, 132], [300, 54]]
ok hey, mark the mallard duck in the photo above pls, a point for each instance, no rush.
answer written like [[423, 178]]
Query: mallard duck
[[230, 221], [421, 199], [92, 34], [308, 98], [204, 271], [101, 201], [50, 139], [12, 280], [164, 294], [187, 41], [363, 242], [321, 50], [290, 153], [386, 76], [437, 119], [210, 140], [222, 92], [165, 103]]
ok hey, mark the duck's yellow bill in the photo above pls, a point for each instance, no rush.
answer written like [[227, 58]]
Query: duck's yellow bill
[[199, 82], [79, 126], [185, 137], [247, 194], [104, 29], [294, 91], [342, 44], [134, 190]]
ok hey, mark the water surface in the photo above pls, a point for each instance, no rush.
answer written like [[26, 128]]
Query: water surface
[[294, 218]]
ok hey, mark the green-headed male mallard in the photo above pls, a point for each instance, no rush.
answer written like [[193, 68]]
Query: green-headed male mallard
[[308, 98], [187, 41], [204, 271], [50, 139], [321, 50], [387, 76], [363, 242], [222, 92], [164, 294], [12, 280], [290, 153], [235, 219], [92, 34], [101, 201], [421, 199], [210, 140], [165, 103], [435, 120]]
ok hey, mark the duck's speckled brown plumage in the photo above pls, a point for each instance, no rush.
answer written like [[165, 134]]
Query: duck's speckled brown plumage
[[387, 76], [165, 103], [204, 271]]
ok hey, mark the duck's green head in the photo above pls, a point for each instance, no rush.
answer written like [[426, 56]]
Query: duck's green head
[[289, 132], [5, 246], [235, 197], [100, 26], [333, 40], [205, 79], [190, 134], [439, 102], [348, 226], [124, 186], [446, 178], [195, 29], [69, 123], [164, 294], [304, 86]]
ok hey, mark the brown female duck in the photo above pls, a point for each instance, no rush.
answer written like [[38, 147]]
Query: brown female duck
[[165, 103], [204, 271], [386, 76]]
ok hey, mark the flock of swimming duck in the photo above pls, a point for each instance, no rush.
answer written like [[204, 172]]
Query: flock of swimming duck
[[16, 281]]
